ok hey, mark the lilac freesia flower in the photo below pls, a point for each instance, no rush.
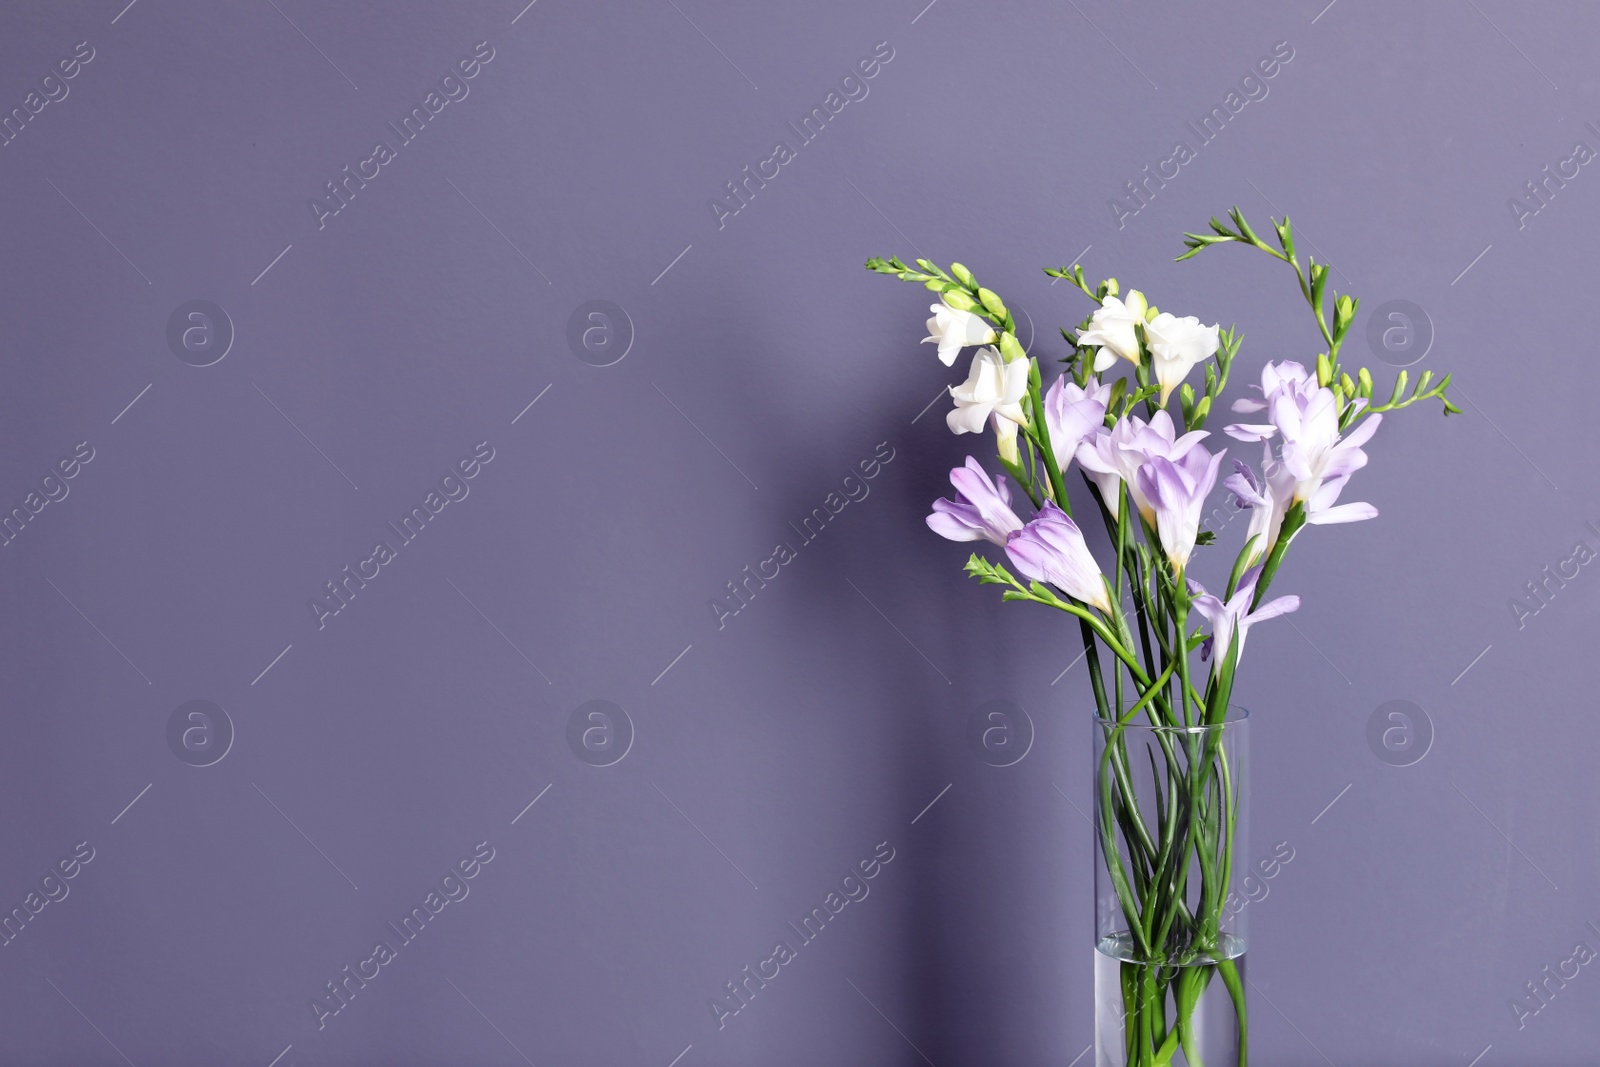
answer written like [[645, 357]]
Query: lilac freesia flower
[[1270, 495], [1051, 549], [981, 510], [1115, 455], [1072, 414], [1177, 493], [1313, 450], [1320, 508], [1287, 377], [1305, 417], [1235, 616], [1267, 498]]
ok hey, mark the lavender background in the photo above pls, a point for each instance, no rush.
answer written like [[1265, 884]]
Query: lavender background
[[772, 754]]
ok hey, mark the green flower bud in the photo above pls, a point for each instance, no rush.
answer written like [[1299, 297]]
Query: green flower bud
[[992, 303], [1010, 349], [963, 275], [960, 301]]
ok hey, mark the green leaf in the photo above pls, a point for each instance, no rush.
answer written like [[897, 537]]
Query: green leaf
[[1240, 565], [1118, 388]]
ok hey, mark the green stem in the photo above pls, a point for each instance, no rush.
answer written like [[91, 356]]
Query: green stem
[[1230, 978]]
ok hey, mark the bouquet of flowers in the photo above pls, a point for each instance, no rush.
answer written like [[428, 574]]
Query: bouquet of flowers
[[1166, 832]]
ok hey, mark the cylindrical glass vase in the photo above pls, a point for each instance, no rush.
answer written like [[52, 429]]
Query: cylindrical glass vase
[[1172, 810]]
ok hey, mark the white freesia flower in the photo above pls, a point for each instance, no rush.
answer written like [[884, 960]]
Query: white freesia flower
[[952, 330], [993, 387], [1176, 345], [1111, 328]]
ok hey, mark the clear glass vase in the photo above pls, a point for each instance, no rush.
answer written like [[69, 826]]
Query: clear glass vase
[[1171, 830]]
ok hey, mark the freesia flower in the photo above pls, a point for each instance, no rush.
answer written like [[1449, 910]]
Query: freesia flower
[[1313, 449], [981, 510], [1270, 496], [1115, 455], [1112, 328], [1320, 509], [1305, 417], [1177, 493], [1051, 549], [1072, 414], [952, 330], [1235, 617], [1285, 377], [993, 387], [1176, 345], [1267, 498]]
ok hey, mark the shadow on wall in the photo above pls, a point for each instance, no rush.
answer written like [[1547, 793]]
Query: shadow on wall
[[915, 646]]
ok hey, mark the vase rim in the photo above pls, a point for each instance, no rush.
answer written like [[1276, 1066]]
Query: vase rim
[[1237, 715]]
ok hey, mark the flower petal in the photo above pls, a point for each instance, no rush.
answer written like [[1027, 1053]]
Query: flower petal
[[1244, 431], [1356, 512], [1282, 605]]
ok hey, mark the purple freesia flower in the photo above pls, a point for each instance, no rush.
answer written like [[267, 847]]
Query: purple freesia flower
[[1287, 377], [1177, 493], [1115, 455], [1305, 418], [1051, 549], [1072, 414], [1267, 497], [981, 510], [1235, 616], [1313, 450]]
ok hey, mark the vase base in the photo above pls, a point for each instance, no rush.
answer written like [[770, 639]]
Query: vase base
[[1184, 1016]]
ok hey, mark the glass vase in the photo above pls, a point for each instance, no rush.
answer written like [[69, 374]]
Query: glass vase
[[1171, 829]]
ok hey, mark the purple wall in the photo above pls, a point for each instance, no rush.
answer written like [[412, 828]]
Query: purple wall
[[598, 482]]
